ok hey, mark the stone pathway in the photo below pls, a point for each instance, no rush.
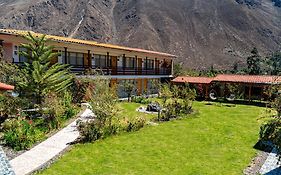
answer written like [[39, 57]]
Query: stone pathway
[[38, 156], [271, 166], [5, 167]]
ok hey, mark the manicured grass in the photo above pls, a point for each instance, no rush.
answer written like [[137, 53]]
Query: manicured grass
[[218, 140], [128, 110]]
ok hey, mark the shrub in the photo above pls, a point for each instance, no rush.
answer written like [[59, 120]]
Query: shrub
[[53, 111], [20, 133], [271, 131], [82, 89], [10, 106], [12, 74], [165, 92], [57, 109], [141, 100], [93, 130], [177, 102], [174, 108], [129, 87], [103, 100], [135, 124], [71, 109]]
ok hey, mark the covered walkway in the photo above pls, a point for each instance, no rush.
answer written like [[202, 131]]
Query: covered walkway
[[253, 86]]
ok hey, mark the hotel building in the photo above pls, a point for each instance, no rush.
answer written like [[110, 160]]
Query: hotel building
[[117, 63]]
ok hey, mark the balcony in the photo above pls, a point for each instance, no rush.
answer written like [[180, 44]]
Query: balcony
[[124, 71], [80, 69]]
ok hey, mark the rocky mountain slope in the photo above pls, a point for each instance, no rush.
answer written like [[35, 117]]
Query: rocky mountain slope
[[200, 32]]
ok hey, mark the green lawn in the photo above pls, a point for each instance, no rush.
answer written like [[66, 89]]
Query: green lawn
[[128, 110], [218, 140]]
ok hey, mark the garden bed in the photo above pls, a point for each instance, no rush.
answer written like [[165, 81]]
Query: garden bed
[[12, 153]]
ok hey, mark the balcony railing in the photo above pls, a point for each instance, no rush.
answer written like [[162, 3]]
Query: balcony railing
[[80, 69], [125, 71]]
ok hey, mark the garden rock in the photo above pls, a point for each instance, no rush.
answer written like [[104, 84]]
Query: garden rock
[[88, 115], [153, 107]]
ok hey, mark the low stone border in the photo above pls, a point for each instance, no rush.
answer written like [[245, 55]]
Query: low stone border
[[256, 163], [5, 167], [272, 164]]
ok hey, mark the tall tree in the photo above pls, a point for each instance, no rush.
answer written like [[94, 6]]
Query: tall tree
[[129, 87], [178, 70], [43, 77], [275, 63], [254, 62], [235, 68]]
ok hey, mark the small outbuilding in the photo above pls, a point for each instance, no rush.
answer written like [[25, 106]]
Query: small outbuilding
[[253, 87]]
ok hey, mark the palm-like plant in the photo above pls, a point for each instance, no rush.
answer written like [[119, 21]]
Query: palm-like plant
[[44, 77]]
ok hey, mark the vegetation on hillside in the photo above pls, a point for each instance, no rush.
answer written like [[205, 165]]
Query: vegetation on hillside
[[255, 65]]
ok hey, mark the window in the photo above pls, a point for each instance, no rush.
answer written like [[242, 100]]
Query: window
[[149, 64], [76, 59], [73, 58], [22, 59], [130, 62], [100, 61]]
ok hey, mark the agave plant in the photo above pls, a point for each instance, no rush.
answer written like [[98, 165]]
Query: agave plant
[[43, 76]]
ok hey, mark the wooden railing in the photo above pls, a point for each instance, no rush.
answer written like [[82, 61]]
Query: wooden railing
[[124, 71], [120, 70]]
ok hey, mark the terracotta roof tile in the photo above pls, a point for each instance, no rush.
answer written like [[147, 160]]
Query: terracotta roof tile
[[6, 87], [195, 80], [84, 42], [258, 79]]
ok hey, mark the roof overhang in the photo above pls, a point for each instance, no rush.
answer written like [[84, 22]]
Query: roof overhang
[[6, 87], [227, 78], [66, 40]]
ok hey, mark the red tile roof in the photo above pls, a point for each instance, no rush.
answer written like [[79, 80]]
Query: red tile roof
[[257, 79], [83, 42], [195, 80], [6, 87]]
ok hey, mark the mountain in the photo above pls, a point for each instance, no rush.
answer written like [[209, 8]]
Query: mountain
[[202, 33]]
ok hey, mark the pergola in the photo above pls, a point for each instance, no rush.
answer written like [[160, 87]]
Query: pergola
[[249, 81]]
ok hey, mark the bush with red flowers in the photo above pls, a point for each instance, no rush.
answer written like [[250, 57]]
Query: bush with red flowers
[[21, 133]]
